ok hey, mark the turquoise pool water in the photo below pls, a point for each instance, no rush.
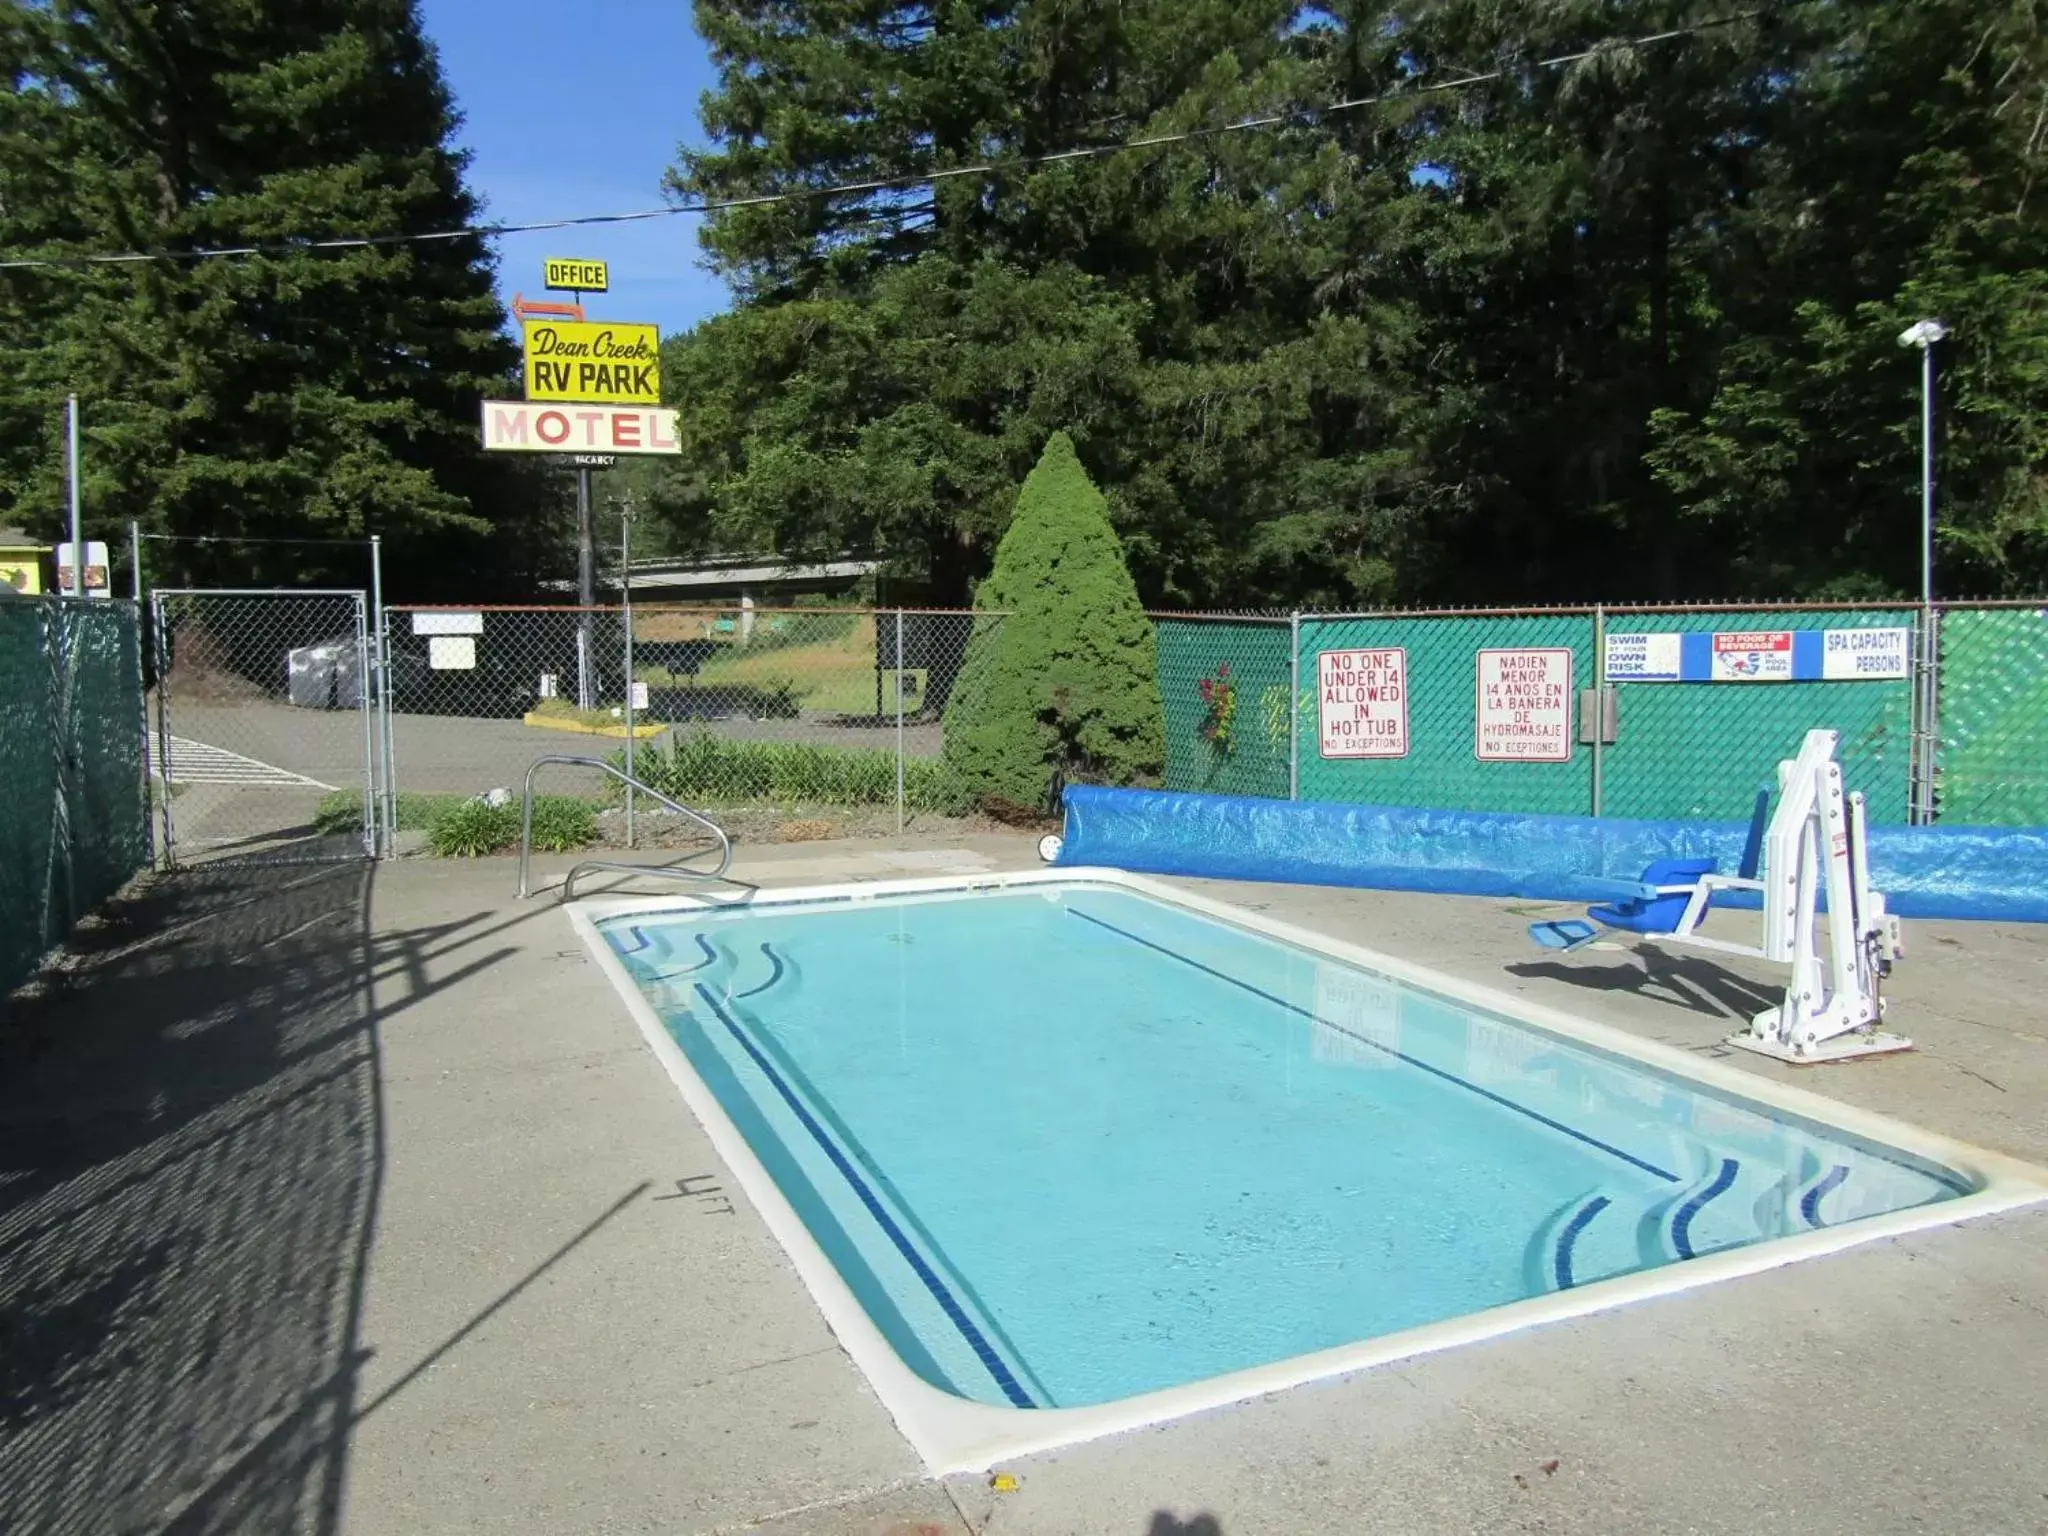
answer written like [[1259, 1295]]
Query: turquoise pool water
[[1067, 1143]]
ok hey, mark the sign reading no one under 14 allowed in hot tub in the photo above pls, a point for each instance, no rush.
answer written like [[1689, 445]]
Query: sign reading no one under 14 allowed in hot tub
[[1362, 703]]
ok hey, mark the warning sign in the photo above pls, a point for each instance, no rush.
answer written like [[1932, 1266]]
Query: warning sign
[[1362, 703], [1524, 710], [595, 362], [1753, 656]]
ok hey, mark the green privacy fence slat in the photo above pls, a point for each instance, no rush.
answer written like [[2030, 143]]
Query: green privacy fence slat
[[1442, 769], [1255, 760], [72, 810], [1993, 765], [1699, 751]]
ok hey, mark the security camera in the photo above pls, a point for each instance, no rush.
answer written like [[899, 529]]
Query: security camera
[[1925, 334]]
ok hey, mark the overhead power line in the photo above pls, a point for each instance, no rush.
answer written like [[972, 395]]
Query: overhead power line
[[1290, 117]]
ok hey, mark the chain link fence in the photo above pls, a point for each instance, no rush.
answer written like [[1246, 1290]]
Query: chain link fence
[[782, 715], [1227, 687], [261, 725], [1992, 768], [73, 817], [1498, 710]]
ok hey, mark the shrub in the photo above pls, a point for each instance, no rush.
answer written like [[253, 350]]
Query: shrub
[[342, 811], [1069, 679], [471, 829], [703, 769], [562, 823]]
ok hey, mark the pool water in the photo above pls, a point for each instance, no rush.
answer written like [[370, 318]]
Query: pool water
[[1067, 1143]]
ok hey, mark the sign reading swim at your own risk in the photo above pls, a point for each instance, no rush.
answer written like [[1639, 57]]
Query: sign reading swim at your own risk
[[1362, 703], [1524, 708]]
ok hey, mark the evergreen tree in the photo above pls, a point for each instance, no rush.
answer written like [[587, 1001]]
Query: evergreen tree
[[1616, 328], [309, 394], [1066, 678]]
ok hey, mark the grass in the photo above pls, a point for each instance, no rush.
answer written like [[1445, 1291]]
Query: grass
[[826, 662], [458, 826], [703, 769]]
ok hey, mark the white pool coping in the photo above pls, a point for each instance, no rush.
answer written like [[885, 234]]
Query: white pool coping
[[955, 1435]]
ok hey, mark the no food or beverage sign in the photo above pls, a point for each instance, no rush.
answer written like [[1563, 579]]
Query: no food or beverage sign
[[1362, 703]]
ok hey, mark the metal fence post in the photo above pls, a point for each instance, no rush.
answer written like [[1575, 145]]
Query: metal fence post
[[163, 725], [1927, 710], [899, 720], [1294, 705], [1599, 700], [141, 686], [626, 605], [386, 801]]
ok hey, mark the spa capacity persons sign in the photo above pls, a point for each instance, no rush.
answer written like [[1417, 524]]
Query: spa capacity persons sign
[[1362, 703], [1524, 710]]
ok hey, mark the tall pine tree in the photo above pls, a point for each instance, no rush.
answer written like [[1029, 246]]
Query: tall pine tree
[[301, 395]]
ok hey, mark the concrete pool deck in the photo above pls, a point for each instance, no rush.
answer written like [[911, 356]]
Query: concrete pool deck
[[348, 1199]]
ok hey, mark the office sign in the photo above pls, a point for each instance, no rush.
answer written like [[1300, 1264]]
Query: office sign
[[570, 274]]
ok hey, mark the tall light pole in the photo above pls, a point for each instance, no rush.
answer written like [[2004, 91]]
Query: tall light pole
[[1924, 335]]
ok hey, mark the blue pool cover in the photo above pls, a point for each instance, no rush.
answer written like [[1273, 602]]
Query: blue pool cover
[[1944, 872]]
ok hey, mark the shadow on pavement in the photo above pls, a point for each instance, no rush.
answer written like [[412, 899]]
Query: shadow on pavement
[[190, 1155], [1698, 985], [1166, 1523]]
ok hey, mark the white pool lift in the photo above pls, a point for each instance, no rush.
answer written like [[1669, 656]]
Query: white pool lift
[[1832, 1007]]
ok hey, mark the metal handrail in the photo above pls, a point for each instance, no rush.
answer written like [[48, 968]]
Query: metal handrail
[[672, 871]]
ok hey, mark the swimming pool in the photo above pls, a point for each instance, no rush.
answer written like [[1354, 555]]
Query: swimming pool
[[1079, 1152]]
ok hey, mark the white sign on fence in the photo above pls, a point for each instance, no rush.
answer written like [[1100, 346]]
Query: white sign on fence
[[1524, 707], [447, 623], [452, 653], [1642, 658], [637, 694], [1362, 703], [1862, 654]]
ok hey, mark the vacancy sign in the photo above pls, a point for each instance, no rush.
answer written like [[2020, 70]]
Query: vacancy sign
[[1524, 711], [598, 361], [1362, 703], [529, 426]]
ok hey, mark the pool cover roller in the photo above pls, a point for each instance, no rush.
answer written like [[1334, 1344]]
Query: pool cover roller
[[1991, 873]]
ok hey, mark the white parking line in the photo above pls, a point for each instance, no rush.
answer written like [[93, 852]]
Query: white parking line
[[195, 762]]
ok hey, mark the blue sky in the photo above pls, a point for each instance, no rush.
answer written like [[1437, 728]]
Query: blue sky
[[579, 109]]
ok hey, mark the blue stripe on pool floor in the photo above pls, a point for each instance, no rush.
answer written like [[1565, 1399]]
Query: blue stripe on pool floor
[[774, 960], [1449, 1077], [1681, 1224], [1809, 1204], [955, 1313], [1569, 1237]]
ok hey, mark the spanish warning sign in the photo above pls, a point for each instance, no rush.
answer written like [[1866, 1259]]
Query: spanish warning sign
[[1362, 703], [1524, 711], [593, 362]]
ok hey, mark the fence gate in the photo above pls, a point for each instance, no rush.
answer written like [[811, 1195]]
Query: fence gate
[[261, 728]]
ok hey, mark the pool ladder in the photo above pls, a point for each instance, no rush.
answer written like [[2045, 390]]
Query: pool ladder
[[669, 871]]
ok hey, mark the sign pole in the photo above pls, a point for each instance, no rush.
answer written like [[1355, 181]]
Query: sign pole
[[77, 538], [586, 588]]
